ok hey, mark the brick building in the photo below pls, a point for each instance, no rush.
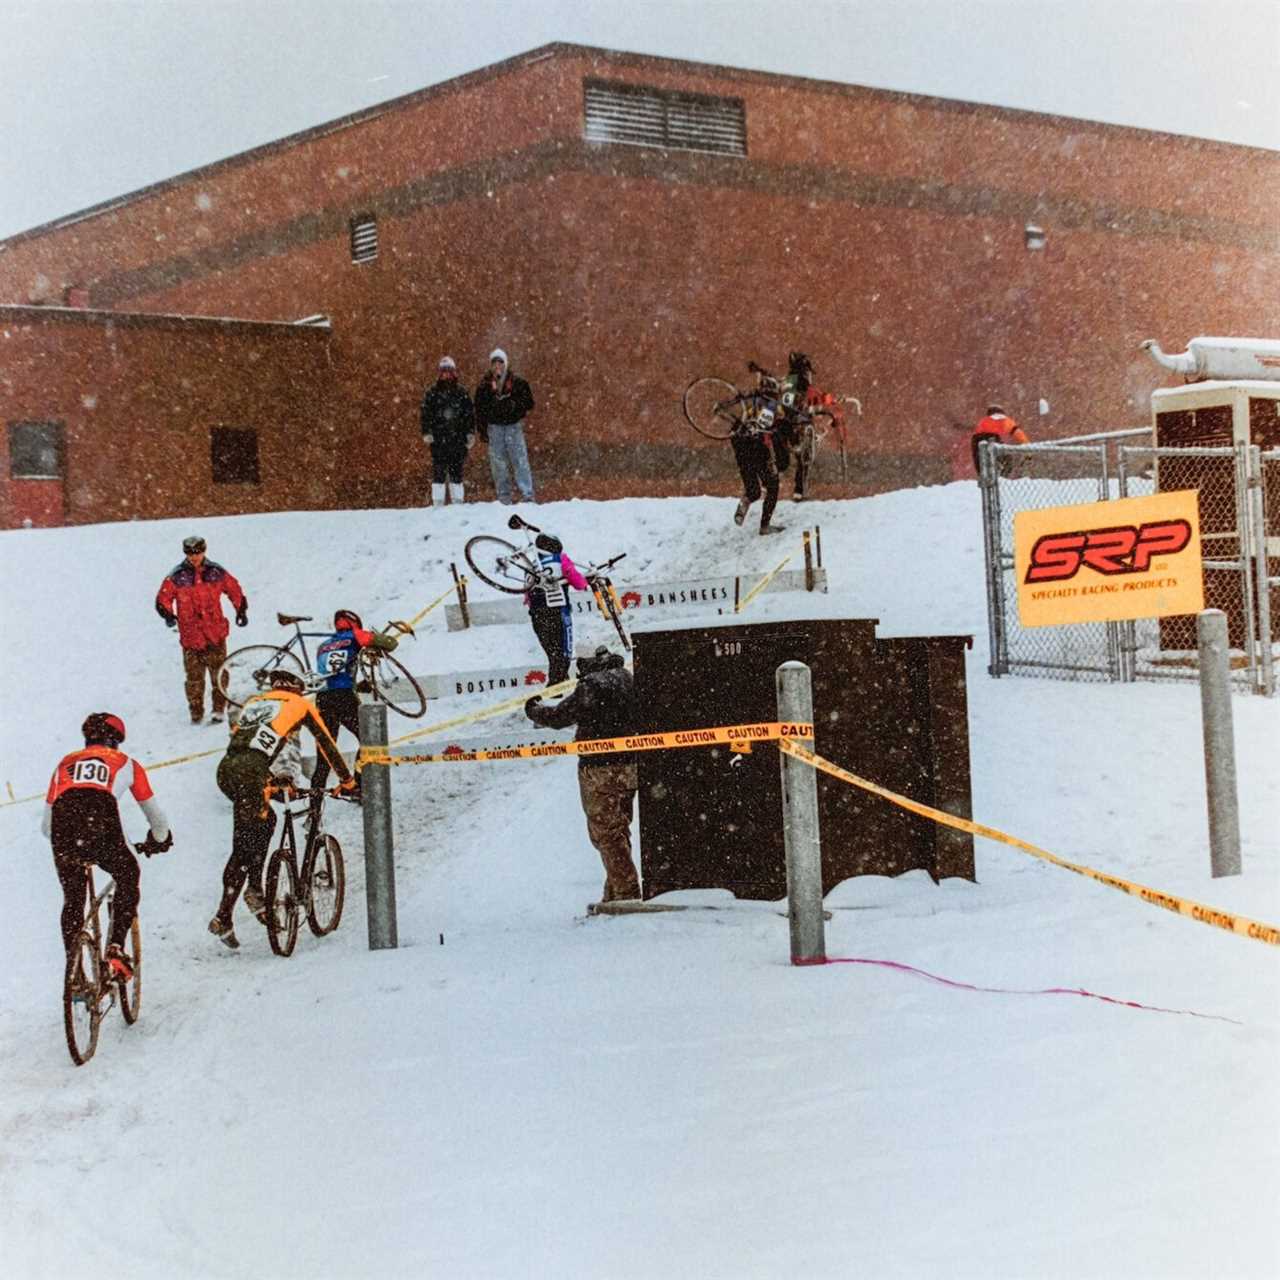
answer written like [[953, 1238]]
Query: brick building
[[620, 224]]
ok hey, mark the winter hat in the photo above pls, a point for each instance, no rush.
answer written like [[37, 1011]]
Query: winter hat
[[497, 354], [446, 362]]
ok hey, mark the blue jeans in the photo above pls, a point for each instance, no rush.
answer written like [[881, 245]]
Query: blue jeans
[[507, 449]]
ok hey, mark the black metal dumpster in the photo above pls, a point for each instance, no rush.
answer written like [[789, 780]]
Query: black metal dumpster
[[891, 711]]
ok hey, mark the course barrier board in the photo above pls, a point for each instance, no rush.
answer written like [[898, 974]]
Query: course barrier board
[[712, 594]]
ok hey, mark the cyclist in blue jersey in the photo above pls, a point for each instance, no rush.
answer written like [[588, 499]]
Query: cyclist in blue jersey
[[338, 702]]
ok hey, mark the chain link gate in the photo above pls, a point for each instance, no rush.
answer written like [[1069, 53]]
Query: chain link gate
[[1237, 505]]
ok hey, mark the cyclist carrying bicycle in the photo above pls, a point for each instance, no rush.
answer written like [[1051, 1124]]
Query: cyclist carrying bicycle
[[336, 660], [547, 598], [82, 821], [264, 748], [790, 399]]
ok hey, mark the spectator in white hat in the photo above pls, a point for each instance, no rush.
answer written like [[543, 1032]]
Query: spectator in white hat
[[502, 401], [449, 429]]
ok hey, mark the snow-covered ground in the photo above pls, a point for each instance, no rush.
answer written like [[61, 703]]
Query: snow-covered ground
[[521, 1091]]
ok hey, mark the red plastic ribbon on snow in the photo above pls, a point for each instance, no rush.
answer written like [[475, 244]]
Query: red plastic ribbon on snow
[[1043, 991]]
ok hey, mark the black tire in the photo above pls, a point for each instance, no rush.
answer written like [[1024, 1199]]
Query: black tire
[[284, 904], [131, 991], [390, 682], [328, 887], [82, 998], [244, 672], [497, 562], [714, 408]]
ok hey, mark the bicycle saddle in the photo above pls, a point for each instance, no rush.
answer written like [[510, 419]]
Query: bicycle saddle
[[287, 619]]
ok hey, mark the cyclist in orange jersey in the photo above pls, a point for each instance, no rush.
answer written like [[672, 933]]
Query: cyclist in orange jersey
[[82, 821], [263, 747]]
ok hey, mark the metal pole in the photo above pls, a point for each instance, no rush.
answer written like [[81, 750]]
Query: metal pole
[[800, 824], [1258, 519], [1219, 743], [379, 860]]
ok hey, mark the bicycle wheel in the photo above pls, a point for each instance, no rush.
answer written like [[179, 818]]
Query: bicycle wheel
[[131, 991], [283, 905], [497, 562], [714, 407], [82, 998], [391, 683], [327, 888], [245, 671]]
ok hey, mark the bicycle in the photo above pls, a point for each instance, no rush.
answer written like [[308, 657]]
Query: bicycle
[[719, 410], [89, 989], [506, 567], [318, 888], [247, 670]]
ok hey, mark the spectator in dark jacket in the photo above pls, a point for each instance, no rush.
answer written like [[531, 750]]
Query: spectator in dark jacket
[[502, 402], [190, 598], [449, 428], [603, 706]]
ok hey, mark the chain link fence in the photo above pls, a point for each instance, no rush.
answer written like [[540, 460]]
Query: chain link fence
[[1239, 502]]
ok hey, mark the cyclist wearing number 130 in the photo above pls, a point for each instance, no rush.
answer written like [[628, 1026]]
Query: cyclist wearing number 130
[[82, 820], [264, 738]]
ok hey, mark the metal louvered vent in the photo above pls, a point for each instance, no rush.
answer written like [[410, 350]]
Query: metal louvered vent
[[642, 117], [364, 238]]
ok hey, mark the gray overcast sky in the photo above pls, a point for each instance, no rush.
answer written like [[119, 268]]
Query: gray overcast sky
[[100, 97]]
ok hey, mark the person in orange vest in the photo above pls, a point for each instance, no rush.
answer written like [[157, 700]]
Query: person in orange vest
[[997, 426]]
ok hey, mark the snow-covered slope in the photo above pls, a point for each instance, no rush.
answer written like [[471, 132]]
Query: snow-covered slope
[[520, 1091]]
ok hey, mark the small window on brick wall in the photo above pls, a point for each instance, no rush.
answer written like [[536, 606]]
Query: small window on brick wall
[[364, 237], [234, 452], [35, 450]]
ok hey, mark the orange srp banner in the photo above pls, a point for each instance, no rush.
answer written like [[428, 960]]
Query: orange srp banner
[[1109, 561]]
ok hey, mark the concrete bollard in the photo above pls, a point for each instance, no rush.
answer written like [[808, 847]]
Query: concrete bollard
[[1219, 743], [379, 859], [800, 824]]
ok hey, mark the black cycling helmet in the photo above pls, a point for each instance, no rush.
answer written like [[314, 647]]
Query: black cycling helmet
[[601, 660], [102, 729], [798, 362], [283, 678], [349, 616], [193, 545], [996, 408], [548, 542]]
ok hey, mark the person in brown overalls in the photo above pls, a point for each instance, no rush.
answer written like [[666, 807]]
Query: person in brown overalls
[[603, 706]]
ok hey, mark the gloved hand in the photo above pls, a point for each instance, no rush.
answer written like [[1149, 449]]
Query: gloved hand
[[348, 786], [530, 703], [170, 621], [151, 845], [242, 614], [426, 439]]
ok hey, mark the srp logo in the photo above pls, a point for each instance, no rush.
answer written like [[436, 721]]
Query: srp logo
[[630, 600], [1119, 549], [535, 677]]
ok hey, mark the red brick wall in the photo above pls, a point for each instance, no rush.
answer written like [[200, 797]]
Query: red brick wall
[[138, 399], [883, 233]]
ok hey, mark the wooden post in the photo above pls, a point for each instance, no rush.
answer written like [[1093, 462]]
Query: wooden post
[[461, 584], [808, 562]]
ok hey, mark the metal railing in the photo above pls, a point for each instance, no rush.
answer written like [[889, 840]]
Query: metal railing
[[1239, 500]]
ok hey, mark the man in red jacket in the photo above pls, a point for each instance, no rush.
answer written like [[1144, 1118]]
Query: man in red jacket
[[190, 599], [996, 426]]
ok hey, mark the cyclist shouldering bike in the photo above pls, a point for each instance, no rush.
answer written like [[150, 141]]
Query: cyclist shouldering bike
[[336, 660], [264, 744], [82, 821]]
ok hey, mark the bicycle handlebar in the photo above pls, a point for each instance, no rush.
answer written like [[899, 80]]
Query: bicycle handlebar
[[608, 564]]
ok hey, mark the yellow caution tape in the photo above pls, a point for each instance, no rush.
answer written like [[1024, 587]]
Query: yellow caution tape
[[444, 595], [760, 586], [739, 736], [1226, 920]]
